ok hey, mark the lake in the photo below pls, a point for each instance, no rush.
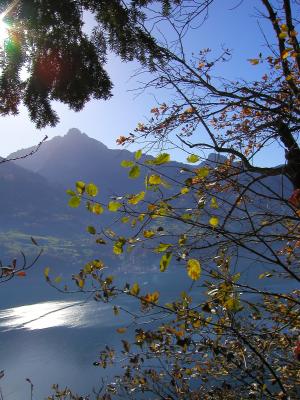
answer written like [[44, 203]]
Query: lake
[[50, 337]]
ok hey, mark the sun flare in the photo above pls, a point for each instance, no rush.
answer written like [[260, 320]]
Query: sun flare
[[4, 32]]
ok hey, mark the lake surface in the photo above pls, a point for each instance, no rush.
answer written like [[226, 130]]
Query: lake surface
[[50, 337]]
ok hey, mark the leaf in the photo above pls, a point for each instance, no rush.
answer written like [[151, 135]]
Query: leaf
[[46, 272], [118, 246], [134, 172], [58, 279], [70, 192], [125, 220], [21, 274], [127, 163], [193, 158], [282, 35], [162, 247], [214, 221], [91, 230], [91, 189], [165, 261], [184, 190], [97, 209], [202, 172], [138, 154], [214, 203], [74, 202], [114, 206], [80, 187], [135, 289], [233, 304], [135, 199], [80, 283], [121, 330], [285, 54], [154, 180], [148, 234], [193, 269], [162, 158], [151, 297], [253, 61]]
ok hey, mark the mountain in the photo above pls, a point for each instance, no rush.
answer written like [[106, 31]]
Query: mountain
[[75, 156], [33, 200]]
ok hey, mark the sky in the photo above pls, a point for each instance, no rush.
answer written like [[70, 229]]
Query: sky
[[231, 23]]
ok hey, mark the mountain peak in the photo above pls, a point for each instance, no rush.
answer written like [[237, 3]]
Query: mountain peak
[[75, 132]]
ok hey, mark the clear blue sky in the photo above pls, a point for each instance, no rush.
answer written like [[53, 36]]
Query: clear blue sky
[[235, 28]]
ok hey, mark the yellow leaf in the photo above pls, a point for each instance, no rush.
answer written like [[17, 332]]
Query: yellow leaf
[[202, 172], [46, 272], [214, 221], [97, 209], [135, 199], [214, 203], [165, 261], [184, 190], [151, 297], [284, 27], [80, 283], [233, 304], [148, 234], [193, 269], [154, 180], [135, 290], [162, 247], [114, 206], [91, 189], [254, 61], [285, 54], [282, 35], [58, 279]]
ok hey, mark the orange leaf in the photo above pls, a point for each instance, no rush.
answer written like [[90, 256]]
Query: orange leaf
[[21, 274]]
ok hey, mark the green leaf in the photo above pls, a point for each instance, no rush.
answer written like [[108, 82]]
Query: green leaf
[[114, 206], [70, 192], [127, 163], [162, 158], [134, 172], [80, 187], [162, 247], [138, 154], [165, 261], [125, 220], [91, 230], [91, 189], [193, 158], [74, 202]]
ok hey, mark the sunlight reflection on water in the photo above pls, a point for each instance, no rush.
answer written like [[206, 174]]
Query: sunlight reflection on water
[[50, 314]]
